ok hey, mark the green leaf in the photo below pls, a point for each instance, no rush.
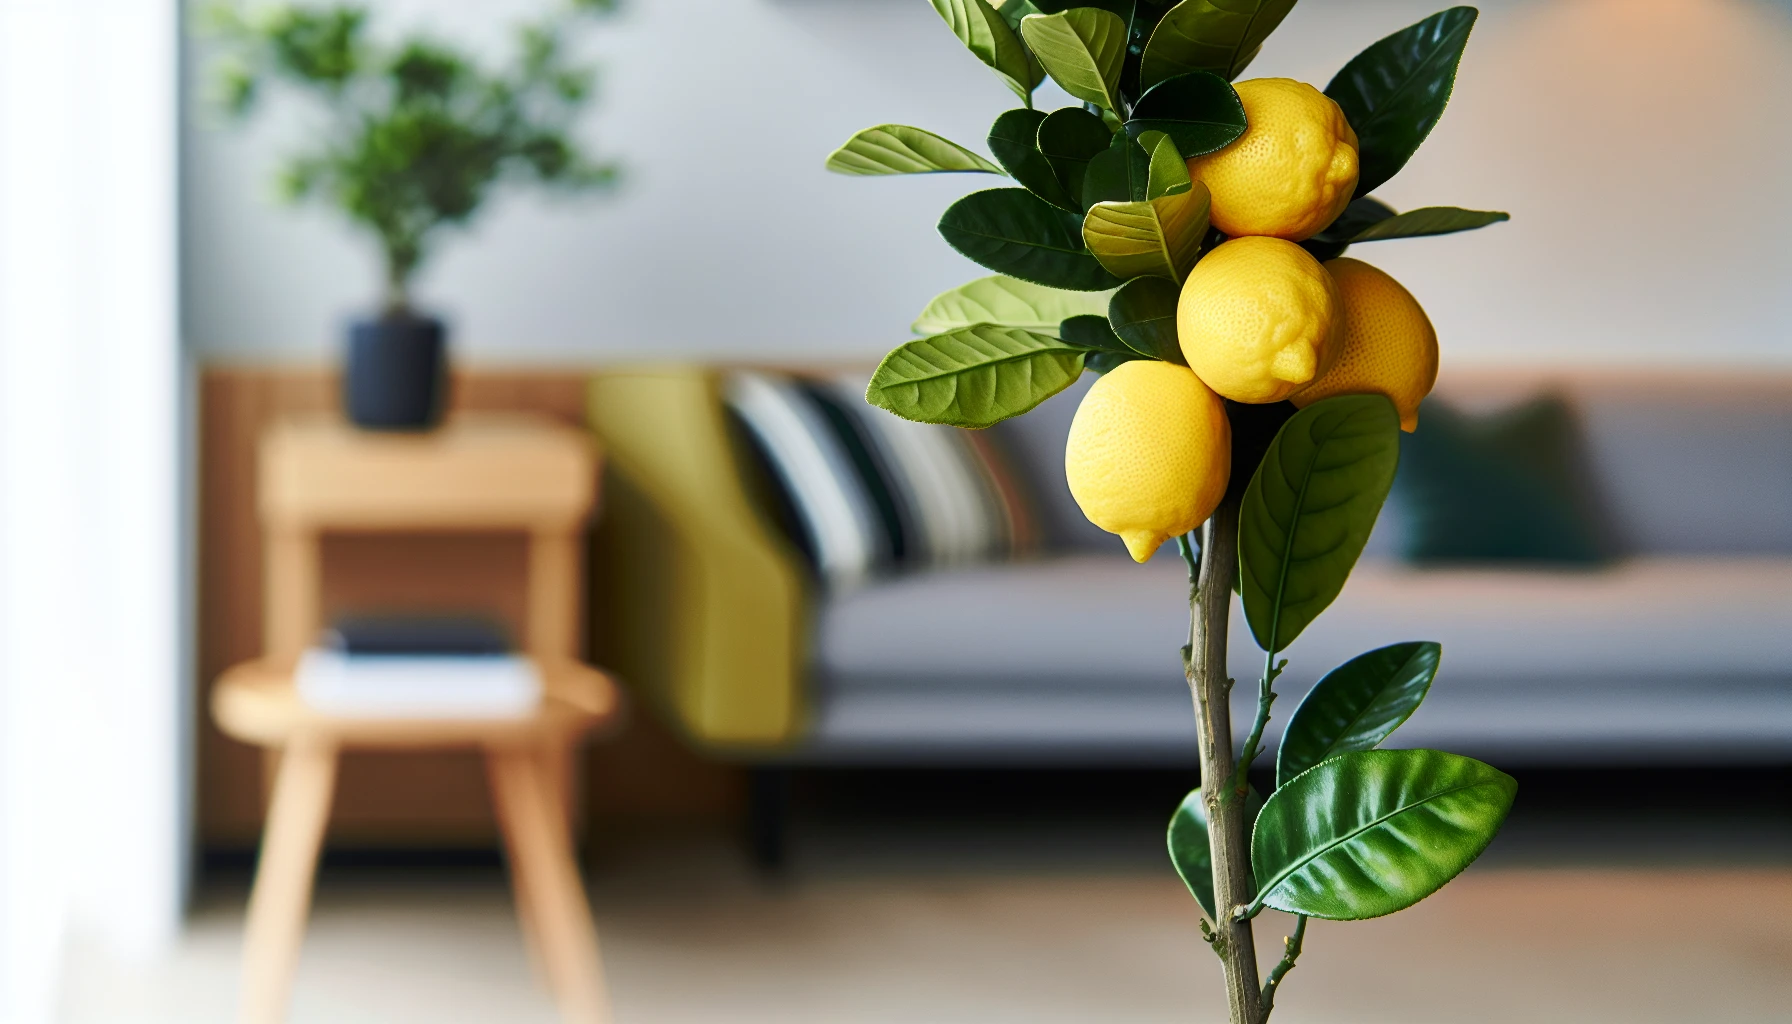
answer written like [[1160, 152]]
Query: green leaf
[[1014, 232], [1394, 92], [1143, 315], [1429, 220], [1120, 175], [1309, 509], [1091, 331], [973, 377], [1012, 11], [1014, 139], [1375, 831], [1362, 212], [1102, 362], [1217, 36], [1069, 139], [1168, 173], [1357, 705], [984, 32], [1199, 110], [1008, 302], [1159, 236], [1192, 851], [1082, 49], [899, 149]]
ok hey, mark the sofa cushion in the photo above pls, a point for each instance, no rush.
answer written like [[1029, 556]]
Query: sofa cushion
[[1653, 656]]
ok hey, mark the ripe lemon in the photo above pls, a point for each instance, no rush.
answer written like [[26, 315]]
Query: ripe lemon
[[1389, 346], [1292, 171], [1149, 453], [1258, 319]]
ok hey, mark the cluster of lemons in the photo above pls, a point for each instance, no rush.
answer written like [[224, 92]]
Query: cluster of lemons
[[1259, 321]]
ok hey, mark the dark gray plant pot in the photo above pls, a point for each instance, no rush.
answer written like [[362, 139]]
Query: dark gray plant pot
[[396, 376]]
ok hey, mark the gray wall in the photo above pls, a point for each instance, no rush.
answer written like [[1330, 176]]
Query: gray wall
[[1641, 146]]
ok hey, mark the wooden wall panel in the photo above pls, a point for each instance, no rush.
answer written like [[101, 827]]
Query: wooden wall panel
[[394, 799]]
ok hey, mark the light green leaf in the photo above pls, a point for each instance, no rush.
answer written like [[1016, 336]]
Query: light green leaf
[[1143, 315], [1357, 705], [1014, 139], [1429, 220], [1009, 302], [1309, 509], [1082, 49], [984, 32], [899, 149], [1159, 236], [1217, 36], [973, 377], [1371, 832], [1169, 171], [1014, 232]]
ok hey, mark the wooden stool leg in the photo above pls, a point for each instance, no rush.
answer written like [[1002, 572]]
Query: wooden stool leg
[[281, 899], [548, 882]]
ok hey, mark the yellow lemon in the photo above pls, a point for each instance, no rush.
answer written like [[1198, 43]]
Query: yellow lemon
[[1292, 171], [1258, 319], [1149, 453], [1389, 346]]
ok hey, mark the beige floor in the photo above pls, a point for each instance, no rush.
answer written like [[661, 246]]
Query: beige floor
[[691, 938]]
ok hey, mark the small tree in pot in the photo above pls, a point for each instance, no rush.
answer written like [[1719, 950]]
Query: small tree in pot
[[416, 137]]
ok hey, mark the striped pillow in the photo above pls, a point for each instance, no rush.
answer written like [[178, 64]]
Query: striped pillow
[[869, 491], [834, 510]]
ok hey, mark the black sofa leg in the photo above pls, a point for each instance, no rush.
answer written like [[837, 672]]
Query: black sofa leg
[[768, 817]]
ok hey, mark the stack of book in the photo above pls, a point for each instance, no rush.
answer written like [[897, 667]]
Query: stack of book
[[418, 667]]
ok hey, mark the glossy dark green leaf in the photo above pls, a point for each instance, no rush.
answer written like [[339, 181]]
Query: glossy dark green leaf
[[974, 377], [1217, 36], [1102, 362], [1014, 232], [1371, 832], [1357, 705], [1360, 214], [984, 32], [1159, 236], [1006, 302], [1014, 139], [899, 149], [1191, 851], [1143, 315], [1168, 173], [1198, 110], [1429, 220], [1394, 92], [1083, 49], [1069, 139], [1120, 175], [1309, 509], [1090, 332]]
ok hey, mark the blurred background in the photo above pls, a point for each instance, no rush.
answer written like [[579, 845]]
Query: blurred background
[[901, 728]]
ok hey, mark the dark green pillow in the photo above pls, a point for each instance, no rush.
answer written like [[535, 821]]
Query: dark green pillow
[[1509, 487]]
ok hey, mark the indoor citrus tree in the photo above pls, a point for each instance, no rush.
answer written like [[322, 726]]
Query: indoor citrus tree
[[1183, 237]]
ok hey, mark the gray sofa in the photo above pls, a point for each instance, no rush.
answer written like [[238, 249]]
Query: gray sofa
[[1680, 651]]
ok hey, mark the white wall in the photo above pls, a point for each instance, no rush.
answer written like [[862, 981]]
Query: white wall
[[93, 664], [1640, 145]]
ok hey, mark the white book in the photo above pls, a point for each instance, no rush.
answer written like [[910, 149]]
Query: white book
[[419, 685]]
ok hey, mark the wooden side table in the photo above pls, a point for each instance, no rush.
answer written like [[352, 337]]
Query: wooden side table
[[489, 472]]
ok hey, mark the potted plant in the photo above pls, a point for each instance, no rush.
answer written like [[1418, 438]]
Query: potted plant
[[1183, 237], [415, 136]]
